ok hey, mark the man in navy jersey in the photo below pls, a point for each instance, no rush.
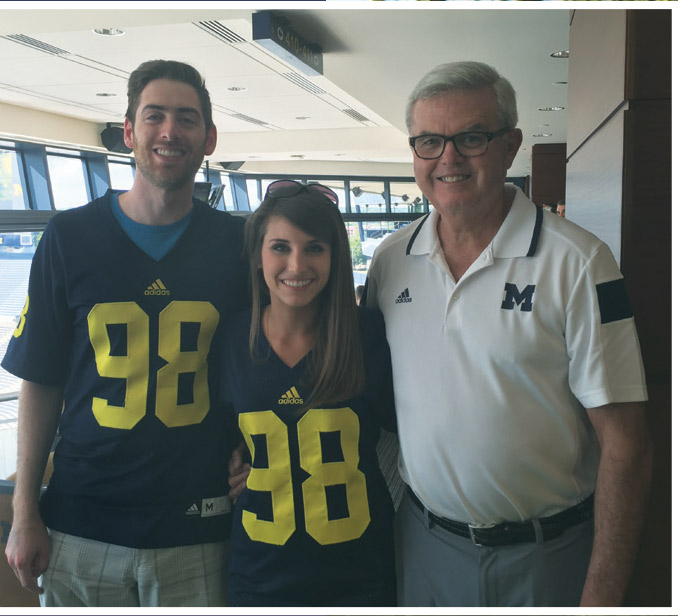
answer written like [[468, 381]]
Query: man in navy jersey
[[125, 297], [518, 380]]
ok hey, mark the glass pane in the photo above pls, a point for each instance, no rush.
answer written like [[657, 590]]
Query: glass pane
[[11, 189], [253, 192], [338, 187], [363, 238], [122, 175], [222, 181], [227, 196], [406, 198], [16, 252], [367, 197], [357, 255], [67, 176]]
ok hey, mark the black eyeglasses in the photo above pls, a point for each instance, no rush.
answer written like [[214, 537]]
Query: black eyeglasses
[[290, 188], [471, 143]]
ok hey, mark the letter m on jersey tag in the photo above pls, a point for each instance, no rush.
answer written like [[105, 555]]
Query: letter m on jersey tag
[[514, 297]]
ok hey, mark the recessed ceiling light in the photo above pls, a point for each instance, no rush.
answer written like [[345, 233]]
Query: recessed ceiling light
[[109, 31], [551, 108], [296, 156], [561, 54], [105, 94], [542, 135], [302, 118], [236, 89]]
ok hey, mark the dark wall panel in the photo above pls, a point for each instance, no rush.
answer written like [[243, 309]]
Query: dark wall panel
[[548, 172], [619, 187]]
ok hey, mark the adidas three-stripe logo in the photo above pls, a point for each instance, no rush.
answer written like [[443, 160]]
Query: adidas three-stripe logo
[[157, 288], [193, 510], [404, 297], [291, 396]]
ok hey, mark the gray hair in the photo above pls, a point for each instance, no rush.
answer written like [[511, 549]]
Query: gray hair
[[466, 76]]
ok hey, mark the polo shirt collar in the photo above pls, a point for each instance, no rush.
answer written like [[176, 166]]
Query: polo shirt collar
[[520, 231], [517, 236]]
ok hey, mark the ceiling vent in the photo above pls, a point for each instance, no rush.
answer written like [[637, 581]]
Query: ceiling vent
[[67, 56], [36, 44], [352, 113], [304, 83], [251, 120], [220, 31]]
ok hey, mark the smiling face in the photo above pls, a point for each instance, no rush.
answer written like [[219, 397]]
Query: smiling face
[[296, 266], [168, 136], [457, 184]]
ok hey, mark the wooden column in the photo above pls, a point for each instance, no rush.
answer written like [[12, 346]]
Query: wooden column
[[619, 187], [548, 172]]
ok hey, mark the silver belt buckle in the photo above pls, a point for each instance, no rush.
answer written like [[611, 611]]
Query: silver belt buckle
[[474, 527]]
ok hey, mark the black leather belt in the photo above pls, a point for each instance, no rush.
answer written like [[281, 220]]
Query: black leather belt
[[509, 533]]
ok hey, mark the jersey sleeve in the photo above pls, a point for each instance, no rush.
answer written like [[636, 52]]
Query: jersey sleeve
[[40, 346], [603, 348]]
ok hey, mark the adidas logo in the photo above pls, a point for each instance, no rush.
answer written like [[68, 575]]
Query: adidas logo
[[210, 507], [157, 288], [404, 297], [291, 397], [193, 510]]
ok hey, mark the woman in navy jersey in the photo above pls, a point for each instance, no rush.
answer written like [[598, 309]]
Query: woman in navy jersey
[[308, 374]]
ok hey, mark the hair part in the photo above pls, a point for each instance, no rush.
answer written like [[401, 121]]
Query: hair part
[[167, 69], [466, 77], [336, 369]]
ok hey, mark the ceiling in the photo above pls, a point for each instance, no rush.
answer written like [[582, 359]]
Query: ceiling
[[271, 116]]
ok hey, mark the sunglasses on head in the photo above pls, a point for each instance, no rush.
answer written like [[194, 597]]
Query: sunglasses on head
[[290, 188]]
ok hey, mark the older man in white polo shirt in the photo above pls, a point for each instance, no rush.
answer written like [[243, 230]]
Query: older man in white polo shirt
[[519, 382]]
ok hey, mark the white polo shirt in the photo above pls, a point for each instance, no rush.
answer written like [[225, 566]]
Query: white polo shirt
[[493, 373]]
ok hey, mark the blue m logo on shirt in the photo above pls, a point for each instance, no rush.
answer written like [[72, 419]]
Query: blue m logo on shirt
[[514, 297]]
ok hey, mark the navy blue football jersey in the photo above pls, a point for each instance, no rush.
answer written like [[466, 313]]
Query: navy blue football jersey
[[314, 524], [142, 459]]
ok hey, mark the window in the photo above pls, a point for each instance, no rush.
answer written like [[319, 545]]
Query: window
[[216, 179], [253, 192], [227, 196], [11, 188], [67, 176], [406, 198], [338, 186], [368, 197], [121, 172], [363, 238]]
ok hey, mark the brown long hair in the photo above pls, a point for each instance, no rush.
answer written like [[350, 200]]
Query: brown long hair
[[336, 370]]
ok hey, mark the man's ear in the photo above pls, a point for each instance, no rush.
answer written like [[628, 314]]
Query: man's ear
[[211, 140], [514, 139], [128, 134]]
